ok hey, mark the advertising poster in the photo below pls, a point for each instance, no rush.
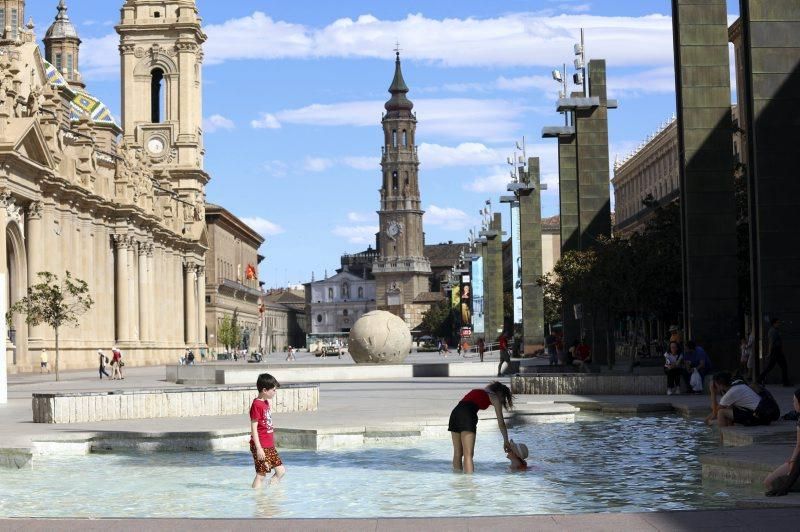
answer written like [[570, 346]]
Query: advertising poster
[[477, 296], [516, 252], [466, 301], [455, 303]]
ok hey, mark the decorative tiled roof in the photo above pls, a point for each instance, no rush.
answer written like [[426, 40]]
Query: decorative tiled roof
[[83, 104]]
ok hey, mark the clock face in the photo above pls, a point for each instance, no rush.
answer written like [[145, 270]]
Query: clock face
[[394, 229], [155, 146]]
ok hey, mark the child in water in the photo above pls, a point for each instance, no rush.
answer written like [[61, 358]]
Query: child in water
[[517, 453]]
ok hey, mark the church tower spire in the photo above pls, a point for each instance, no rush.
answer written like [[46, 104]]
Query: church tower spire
[[402, 272], [62, 46]]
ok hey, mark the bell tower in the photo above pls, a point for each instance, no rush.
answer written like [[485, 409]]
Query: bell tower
[[161, 61], [402, 272], [12, 19], [62, 46]]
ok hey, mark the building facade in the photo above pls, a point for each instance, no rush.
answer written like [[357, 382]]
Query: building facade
[[336, 303], [130, 198], [401, 272], [231, 276], [284, 321]]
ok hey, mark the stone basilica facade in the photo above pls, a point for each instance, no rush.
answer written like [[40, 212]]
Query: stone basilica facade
[[120, 206]]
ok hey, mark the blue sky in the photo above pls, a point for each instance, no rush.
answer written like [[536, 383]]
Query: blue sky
[[294, 93]]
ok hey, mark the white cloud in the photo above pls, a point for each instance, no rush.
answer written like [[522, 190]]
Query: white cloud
[[267, 121], [263, 227], [497, 41], [276, 168], [656, 80], [494, 183], [465, 154], [362, 163], [360, 217], [217, 122], [468, 118], [317, 164], [100, 57], [448, 218], [356, 234]]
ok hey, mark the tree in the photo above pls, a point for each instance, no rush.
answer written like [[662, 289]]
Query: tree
[[438, 320], [551, 292], [56, 303], [229, 333]]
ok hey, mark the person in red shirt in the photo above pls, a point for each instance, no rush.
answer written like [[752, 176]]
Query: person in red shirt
[[464, 422], [502, 343], [262, 437]]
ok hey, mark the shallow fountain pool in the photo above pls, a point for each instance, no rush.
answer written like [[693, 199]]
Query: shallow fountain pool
[[598, 464]]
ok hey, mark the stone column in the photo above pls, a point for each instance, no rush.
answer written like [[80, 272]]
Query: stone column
[[122, 288], [35, 251], [531, 250], [5, 197], [568, 209], [768, 111], [144, 293], [201, 304], [190, 299], [493, 279], [705, 151], [133, 290], [151, 295]]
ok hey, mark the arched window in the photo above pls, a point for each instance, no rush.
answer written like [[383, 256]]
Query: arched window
[[319, 318], [156, 95], [70, 67], [405, 138], [394, 180], [344, 312], [394, 138], [59, 63], [406, 178], [14, 23], [345, 290], [360, 292]]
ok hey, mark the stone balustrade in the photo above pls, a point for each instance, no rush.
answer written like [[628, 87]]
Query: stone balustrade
[[185, 402], [588, 384]]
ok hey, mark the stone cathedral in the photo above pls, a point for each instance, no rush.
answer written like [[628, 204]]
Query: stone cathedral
[[120, 206], [402, 272]]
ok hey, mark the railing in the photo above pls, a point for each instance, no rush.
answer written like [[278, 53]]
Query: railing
[[235, 285]]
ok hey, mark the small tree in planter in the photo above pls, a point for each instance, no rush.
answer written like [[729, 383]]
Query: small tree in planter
[[57, 303]]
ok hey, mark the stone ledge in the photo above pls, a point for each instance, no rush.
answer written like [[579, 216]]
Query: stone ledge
[[149, 404], [588, 384]]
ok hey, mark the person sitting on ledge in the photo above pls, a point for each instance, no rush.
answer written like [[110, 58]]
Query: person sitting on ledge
[[780, 481], [695, 356], [582, 355], [738, 404]]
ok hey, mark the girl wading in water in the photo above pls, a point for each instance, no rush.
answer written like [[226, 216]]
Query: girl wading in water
[[464, 422]]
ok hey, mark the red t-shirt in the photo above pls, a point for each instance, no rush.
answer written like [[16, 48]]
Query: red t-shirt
[[480, 398], [503, 341], [582, 352], [261, 412]]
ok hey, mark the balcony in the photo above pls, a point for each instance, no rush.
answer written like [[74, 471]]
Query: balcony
[[236, 286]]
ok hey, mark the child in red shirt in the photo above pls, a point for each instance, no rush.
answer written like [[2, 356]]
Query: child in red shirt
[[262, 439]]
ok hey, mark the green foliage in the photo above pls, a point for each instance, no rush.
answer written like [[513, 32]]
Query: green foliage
[[54, 302], [438, 320], [553, 302], [640, 275], [229, 333]]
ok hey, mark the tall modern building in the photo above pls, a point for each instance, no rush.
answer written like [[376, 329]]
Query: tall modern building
[[402, 272]]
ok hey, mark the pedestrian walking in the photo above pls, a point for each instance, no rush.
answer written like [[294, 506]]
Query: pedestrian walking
[[43, 360], [502, 342], [116, 364], [775, 351], [103, 362], [481, 347]]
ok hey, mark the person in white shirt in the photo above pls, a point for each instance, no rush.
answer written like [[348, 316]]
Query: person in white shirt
[[737, 405]]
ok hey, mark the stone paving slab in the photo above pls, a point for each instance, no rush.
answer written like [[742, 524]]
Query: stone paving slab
[[750, 520]]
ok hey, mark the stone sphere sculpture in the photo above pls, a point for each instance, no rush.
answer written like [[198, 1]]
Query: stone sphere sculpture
[[379, 337]]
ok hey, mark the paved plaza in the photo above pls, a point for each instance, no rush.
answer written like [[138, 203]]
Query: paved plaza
[[345, 405]]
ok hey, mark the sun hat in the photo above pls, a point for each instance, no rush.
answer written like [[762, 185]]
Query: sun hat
[[519, 449]]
